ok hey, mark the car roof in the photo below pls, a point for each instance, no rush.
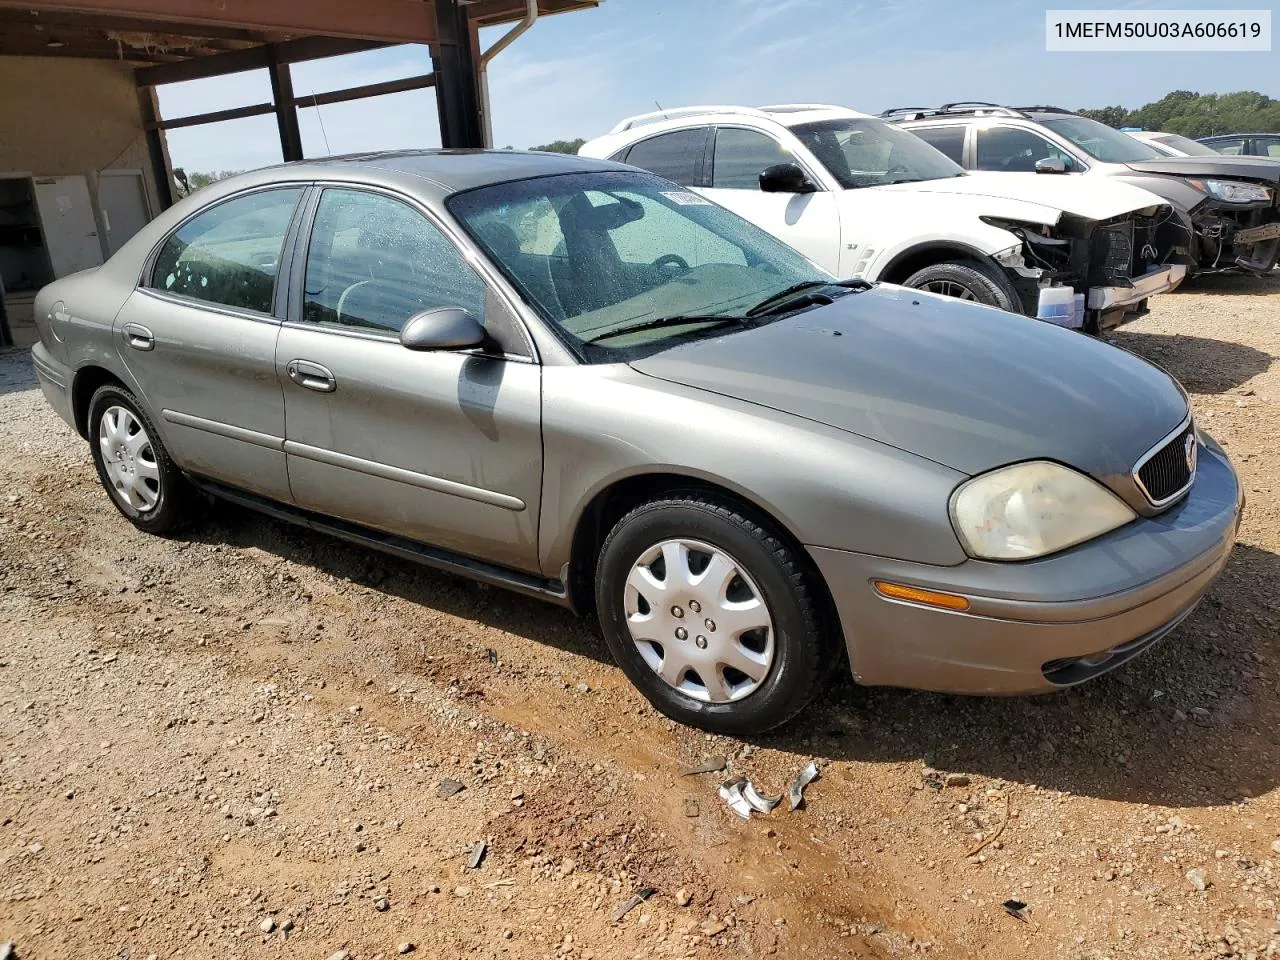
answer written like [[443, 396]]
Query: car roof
[[439, 172], [1235, 136], [645, 125]]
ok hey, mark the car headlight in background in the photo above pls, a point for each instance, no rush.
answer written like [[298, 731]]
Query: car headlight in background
[[1033, 509], [1232, 191]]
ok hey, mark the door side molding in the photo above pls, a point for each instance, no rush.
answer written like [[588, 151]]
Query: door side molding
[[387, 472]]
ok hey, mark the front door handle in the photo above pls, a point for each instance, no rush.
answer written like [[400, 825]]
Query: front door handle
[[312, 376], [139, 337]]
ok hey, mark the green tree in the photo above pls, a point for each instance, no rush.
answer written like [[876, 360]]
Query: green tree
[[561, 146], [1111, 116], [189, 183], [1198, 115]]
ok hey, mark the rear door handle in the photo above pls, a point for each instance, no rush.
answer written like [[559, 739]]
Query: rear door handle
[[312, 376], [139, 337]]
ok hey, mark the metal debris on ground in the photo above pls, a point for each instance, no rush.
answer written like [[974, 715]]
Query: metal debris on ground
[[449, 788], [731, 793], [709, 765], [795, 792], [637, 898], [1015, 908], [758, 802], [491, 655], [8, 951], [477, 855]]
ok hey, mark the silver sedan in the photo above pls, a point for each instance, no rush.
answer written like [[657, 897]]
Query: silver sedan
[[585, 383]]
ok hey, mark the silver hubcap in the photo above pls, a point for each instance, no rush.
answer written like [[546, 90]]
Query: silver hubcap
[[699, 621], [949, 288], [129, 459]]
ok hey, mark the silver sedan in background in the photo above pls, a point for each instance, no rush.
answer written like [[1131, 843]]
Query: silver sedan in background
[[583, 382]]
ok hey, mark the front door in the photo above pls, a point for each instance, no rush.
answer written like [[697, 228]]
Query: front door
[[809, 222], [199, 338], [439, 447]]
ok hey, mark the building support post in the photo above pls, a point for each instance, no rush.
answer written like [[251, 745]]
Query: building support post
[[286, 109], [454, 59], [156, 152]]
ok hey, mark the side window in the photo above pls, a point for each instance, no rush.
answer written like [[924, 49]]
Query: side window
[[228, 255], [1012, 149], [373, 262], [742, 155], [950, 140], [1232, 147], [659, 232], [677, 156], [1269, 148]]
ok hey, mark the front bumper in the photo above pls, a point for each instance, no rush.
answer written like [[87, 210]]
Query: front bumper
[[1039, 625], [1157, 280]]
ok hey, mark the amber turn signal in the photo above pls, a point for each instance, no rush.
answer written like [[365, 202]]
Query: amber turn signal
[[930, 598]]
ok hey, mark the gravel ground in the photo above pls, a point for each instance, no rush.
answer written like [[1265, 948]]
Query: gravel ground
[[232, 744]]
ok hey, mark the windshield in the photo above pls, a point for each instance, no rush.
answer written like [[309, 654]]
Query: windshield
[[1102, 142], [599, 252], [865, 152], [1192, 148]]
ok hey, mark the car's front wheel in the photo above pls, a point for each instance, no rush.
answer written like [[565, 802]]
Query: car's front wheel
[[966, 281], [134, 466], [711, 615]]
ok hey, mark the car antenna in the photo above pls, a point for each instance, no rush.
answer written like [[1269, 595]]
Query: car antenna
[[328, 151], [660, 110]]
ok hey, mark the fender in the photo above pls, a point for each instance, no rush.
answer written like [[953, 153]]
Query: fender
[[902, 264]]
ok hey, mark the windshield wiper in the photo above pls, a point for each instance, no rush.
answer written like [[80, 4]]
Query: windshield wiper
[[771, 303], [675, 320]]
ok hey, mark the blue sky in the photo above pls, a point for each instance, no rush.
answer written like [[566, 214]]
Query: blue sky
[[576, 75]]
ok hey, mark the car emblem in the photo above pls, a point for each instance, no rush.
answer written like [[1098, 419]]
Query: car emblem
[[1190, 452]]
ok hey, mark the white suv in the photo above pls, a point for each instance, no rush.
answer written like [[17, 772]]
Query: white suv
[[862, 197]]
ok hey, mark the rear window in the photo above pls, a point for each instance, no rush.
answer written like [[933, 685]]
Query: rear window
[[948, 140], [677, 156]]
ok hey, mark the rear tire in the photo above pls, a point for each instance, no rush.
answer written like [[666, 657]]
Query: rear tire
[[744, 597], [135, 469], [966, 281]]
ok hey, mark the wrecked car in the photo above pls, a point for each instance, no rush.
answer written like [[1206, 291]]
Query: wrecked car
[[864, 199], [1230, 202]]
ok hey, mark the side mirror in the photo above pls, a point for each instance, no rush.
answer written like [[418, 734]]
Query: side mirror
[[785, 178], [442, 328], [1051, 165]]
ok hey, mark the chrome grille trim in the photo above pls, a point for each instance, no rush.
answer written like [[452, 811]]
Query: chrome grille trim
[[1187, 424]]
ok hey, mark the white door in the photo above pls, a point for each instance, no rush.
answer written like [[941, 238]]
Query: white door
[[809, 222], [122, 202], [66, 219]]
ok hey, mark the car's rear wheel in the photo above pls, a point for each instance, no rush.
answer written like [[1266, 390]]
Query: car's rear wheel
[[966, 281], [134, 466], [711, 615]]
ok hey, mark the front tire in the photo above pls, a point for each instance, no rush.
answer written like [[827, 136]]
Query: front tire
[[134, 467], [966, 281], [712, 615]]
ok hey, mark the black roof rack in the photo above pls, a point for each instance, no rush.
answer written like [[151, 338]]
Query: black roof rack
[[958, 108], [1043, 109]]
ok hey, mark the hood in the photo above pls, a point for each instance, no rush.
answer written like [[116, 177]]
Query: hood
[[970, 387], [1099, 199], [1262, 169]]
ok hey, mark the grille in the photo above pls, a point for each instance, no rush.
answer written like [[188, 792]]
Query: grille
[[1111, 254], [1167, 472]]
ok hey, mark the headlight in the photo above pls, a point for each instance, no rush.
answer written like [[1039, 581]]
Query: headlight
[[1232, 191], [1032, 509]]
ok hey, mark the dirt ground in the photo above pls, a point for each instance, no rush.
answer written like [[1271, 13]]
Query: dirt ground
[[231, 745]]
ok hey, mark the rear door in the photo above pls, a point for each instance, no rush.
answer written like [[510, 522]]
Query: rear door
[[444, 448], [199, 336], [809, 222]]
